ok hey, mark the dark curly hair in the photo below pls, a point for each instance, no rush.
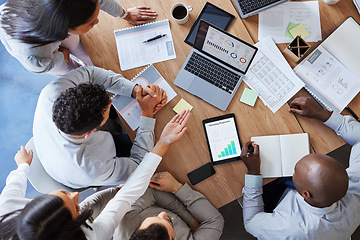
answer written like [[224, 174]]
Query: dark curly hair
[[45, 217], [79, 110], [45, 21], [153, 232]]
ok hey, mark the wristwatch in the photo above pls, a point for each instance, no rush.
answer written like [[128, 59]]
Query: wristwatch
[[124, 15]]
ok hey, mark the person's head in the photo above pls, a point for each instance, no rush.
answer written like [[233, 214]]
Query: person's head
[[50, 216], [81, 109], [159, 227], [46, 21], [320, 180]]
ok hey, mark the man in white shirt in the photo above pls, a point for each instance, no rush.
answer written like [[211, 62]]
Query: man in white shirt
[[327, 197], [70, 111]]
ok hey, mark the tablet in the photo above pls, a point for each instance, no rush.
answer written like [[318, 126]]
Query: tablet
[[213, 15], [223, 139]]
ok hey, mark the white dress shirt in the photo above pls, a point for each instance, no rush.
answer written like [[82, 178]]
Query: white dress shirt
[[294, 218], [41, 59], [89, 161], [13, 197]]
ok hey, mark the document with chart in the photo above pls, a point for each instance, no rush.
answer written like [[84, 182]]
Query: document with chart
[[223, 138], [271, 76], [134, 51], [129, 108], [328, 80]]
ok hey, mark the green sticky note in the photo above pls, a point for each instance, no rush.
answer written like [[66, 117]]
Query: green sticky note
[[291, 26], [249, 97], [181, 106], [299, 30]]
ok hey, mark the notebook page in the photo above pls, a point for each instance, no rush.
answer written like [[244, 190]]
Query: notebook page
[[293, 148], [269, 147]]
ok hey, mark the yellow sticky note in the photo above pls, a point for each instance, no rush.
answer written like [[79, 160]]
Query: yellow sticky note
[[299, 30], [181, 106], [249, 97]]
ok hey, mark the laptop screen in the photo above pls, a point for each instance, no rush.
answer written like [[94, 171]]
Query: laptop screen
[[225, 47]]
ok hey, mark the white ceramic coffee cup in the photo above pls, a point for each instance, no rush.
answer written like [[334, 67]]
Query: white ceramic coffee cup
[[331, 2], [186, 17]]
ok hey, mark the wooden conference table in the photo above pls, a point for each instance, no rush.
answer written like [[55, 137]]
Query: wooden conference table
[[191, 151]]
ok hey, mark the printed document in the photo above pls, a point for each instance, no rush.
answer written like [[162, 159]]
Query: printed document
[[134, 52], [271, 76], [275, 21], [328, 80]]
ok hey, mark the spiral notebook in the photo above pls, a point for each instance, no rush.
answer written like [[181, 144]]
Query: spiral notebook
[[331, 72], [129, 108], [134, 52]]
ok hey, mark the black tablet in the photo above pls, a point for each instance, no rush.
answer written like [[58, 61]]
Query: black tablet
[[213, 15], [223, 139]]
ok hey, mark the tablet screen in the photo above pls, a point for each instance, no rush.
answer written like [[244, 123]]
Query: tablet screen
[[213, 15], [223, 138]]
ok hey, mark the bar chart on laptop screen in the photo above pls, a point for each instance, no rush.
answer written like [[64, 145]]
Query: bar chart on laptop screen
[[223, 139]]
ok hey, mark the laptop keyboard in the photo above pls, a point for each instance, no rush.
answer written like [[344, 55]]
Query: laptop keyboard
[[252, 5], [212, 72]]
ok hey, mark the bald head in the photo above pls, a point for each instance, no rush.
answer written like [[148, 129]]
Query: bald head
[[320, 179]]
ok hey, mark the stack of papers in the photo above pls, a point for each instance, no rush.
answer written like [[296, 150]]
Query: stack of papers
[[274, 21], [271, 76]]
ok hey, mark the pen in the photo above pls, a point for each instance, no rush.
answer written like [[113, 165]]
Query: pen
[[154, 38], [250, 150]]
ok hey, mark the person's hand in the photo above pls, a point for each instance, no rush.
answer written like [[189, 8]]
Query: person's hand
[[175, 129], [66, 53], [308, 107], [172, 132], [164, 181], [137, 15], [163, 99], [148, 103], [252, 158], [22, 156]]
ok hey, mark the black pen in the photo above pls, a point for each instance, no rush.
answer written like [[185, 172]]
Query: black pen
[[250, 150], [154, 38]]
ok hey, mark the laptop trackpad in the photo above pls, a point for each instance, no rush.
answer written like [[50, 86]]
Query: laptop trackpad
[[202, 89]]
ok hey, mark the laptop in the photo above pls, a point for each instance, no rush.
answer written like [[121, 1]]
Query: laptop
[[215, 66], [247, 8]]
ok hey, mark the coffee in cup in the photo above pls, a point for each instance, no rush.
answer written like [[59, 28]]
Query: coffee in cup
[[180, 12]]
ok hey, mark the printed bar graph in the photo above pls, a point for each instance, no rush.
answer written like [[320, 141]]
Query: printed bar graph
[[230, 150]]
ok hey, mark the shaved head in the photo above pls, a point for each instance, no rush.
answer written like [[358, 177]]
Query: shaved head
[[320, 179]]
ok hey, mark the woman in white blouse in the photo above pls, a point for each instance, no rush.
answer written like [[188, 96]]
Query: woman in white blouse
[[41, 34], [58, 215]]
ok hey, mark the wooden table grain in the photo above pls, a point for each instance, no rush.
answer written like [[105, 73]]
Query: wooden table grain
[[322, 139], [191, 151]]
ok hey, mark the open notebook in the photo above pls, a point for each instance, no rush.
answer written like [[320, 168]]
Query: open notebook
[[280, 153]]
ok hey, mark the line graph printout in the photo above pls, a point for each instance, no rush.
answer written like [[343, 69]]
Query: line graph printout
[[223, 139]]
